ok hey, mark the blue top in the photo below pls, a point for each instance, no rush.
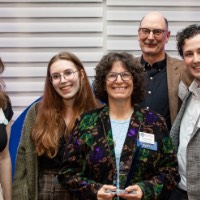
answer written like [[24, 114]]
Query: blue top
[[119, 131]]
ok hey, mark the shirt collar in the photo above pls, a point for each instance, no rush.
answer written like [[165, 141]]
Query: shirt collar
[[195, 89], [160, 65]]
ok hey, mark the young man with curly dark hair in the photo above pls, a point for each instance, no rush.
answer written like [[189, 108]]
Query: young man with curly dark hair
[[185, 131]]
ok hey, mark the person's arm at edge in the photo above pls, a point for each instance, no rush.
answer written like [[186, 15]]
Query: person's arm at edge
[[6, 168], [20, 186]]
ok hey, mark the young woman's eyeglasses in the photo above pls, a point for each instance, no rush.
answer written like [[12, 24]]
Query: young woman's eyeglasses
[[125, 76], [68, 74], [145, 32]]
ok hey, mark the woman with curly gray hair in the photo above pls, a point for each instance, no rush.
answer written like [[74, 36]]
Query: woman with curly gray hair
[[119, 150]]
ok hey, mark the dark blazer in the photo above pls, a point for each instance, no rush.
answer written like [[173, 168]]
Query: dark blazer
[[176, 72], [90, 157], [193, 153]]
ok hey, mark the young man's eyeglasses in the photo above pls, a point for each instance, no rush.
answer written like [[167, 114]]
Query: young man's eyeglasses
[[125, 76], [156, 32], [68, 74]]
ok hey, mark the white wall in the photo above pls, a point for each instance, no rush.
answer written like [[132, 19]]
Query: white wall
[[32, 31]]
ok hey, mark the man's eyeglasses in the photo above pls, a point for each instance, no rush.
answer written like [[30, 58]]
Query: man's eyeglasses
[[125, 76], [156, 32], [68, 74]]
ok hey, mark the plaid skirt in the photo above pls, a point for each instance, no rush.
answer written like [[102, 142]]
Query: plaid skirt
[[51, 189]]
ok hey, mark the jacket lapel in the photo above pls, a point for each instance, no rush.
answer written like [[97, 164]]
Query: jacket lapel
[[175, 130], [130, 150], [196, 127], [106, 125]]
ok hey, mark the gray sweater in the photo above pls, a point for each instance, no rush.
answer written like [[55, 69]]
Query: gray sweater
[[25, 184]]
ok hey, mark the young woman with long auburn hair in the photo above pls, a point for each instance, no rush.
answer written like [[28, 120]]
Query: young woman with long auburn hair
[[47, 128]]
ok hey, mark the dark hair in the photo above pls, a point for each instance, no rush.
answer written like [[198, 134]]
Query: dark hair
[[186, 33], [3, 97], [132, 65], [1, 66]]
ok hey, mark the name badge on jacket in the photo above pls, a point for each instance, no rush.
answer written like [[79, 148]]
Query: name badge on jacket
[[147, 141]]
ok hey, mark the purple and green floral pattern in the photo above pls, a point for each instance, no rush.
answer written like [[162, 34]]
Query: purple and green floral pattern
[[90, 157]]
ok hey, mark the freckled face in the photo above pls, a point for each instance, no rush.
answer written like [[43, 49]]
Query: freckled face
[[119, 90], [191, 55], [67, 89]]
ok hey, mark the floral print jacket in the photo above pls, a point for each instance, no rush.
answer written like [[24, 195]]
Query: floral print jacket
[[89, 157]]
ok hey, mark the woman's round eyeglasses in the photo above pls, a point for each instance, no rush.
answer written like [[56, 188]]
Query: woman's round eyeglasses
[[68, 74]]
